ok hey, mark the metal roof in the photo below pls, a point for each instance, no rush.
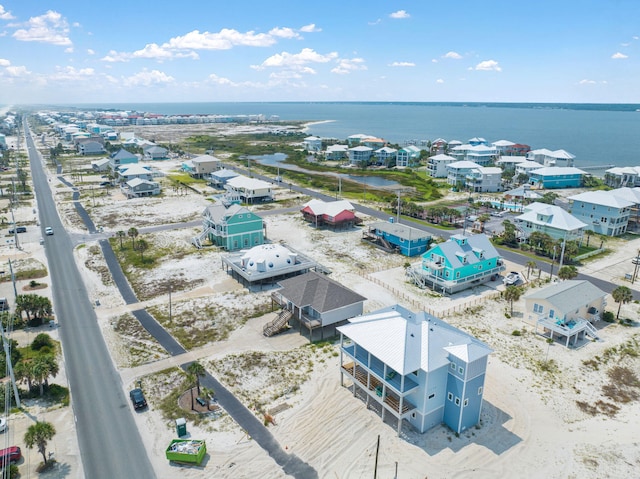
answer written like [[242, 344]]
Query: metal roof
[[407, 341], [567, 296]]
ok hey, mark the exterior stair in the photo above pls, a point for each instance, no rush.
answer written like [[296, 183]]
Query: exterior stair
[[197, 240], [278, 324], [592, 331]]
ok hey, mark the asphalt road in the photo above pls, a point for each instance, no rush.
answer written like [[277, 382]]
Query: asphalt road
[[110, 444]]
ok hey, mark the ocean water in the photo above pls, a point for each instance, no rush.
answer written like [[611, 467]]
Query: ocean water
[[597, 134]]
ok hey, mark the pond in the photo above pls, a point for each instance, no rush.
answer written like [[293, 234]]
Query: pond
[[276, 159]]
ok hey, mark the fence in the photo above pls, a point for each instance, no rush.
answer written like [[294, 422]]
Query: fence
[[419, 305]]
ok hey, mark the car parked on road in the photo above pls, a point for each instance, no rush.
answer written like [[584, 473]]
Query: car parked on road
[[10, 455], [137, 398], [48, 230], [17, 229]]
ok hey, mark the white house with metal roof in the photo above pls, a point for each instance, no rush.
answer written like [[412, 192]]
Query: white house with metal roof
[[567, 309], [437, 165], [415, 367], [603, 211], [622, 176], [549, 219], [551, 158], [249, 190]]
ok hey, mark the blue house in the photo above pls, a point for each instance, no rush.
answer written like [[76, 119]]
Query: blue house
[[122, 157], [398, 237], [416, 367], [557, 177], [605, 212], [459, 263]]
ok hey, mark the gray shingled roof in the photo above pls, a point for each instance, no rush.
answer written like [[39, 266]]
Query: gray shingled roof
[[316, 290]]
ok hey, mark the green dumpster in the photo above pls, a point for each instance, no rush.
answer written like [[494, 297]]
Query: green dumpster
[[188, 451], [181, 427]]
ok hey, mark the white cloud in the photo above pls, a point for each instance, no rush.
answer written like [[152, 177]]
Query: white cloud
[[4, 62], [296, 61], [434, 60], [225, 39], [439, 80], [619, 56], [68, 50], [284, 32], [18, 71], [4, 15], [69, 73], [113, 56], [48, 28], [489, 65], [220, 80], [636, 38], [402, 64], [148, 78], [399, 14], [586, 82], [346, 66], [376, 22], [453, 55], [311, 28], [90, 51]]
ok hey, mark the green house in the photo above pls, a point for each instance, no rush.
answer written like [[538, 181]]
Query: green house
[[232, 228]]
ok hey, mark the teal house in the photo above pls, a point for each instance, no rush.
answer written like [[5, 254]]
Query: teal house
[[230, 228], [459, 263], [557, 177]]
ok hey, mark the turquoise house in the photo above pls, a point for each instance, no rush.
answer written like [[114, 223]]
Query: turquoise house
[[459, 263], [557, 177], [403, 239], [415, 367], [231, 228]]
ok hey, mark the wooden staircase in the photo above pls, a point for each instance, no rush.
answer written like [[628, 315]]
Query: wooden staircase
[[278, 324]]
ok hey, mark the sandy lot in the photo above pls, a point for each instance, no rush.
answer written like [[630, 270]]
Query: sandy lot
[[531, 425]]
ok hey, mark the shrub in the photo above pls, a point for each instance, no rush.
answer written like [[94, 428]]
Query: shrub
[[608, 316], [516, 332], [42, 340]]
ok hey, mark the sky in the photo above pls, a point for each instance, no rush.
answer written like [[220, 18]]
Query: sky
[[71, 52]]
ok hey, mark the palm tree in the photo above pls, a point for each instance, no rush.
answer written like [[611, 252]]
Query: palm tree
[[142, 246], [121, 234], [197, 370], [38, 435], [133, 234], [589, 234], [511, 294], [621, 295], [531, 266], [567, 272]]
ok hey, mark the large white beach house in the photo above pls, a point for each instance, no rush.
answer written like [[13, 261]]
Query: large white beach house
[[415, 367]]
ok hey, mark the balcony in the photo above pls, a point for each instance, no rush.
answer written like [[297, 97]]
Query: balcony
[[375, 389], [376, 368]]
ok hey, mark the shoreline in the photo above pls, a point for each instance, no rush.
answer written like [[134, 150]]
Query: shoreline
[[307, 125]]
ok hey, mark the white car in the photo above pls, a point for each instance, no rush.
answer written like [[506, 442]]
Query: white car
[[3, 424], [48, 230]]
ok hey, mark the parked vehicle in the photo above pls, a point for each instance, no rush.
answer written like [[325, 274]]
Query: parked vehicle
[[512, 278], [4, 304], [137, 398], [3, 424], [10, 455], [17, 229]]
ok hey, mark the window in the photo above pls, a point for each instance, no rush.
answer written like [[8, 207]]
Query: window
[[480, 391], [457, 401], [603, 219], [457, 274], [461, 370], [453, 366], [432, 395], [551, 313], [450, 396], [466, 402], [537, 308]]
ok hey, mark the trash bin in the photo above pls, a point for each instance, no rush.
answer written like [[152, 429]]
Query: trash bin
[[181, 427]]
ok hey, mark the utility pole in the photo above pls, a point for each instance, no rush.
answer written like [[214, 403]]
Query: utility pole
[[635, 269], [375, 468], [170, 288], [553, 260]]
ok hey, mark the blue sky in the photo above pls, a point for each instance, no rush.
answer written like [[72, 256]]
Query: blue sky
[[418, 50]]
